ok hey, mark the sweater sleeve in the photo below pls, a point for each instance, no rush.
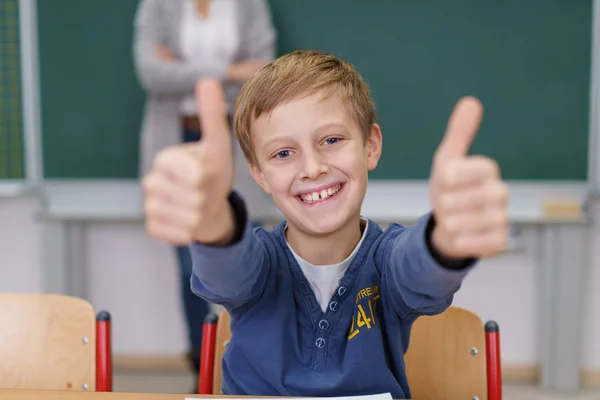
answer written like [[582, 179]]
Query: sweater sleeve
[[259, 38], [414, 278], [233, 275]]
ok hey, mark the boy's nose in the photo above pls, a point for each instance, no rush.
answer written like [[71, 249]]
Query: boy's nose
[[313, 167]]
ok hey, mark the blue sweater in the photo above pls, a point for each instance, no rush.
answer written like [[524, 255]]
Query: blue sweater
[[284, 345]]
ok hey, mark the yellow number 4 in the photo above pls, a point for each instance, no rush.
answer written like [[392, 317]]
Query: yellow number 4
[[362, 319]]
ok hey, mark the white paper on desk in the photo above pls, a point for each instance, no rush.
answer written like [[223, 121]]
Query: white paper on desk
[[383, 396]]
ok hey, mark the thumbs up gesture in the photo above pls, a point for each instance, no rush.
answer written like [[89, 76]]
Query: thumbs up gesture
[[187, 189], [468, 195]]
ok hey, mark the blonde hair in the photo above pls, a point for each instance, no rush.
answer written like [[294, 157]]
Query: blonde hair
[[299, 74]]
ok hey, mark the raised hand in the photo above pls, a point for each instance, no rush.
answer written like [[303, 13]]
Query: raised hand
[[468, 195], [187, 189]]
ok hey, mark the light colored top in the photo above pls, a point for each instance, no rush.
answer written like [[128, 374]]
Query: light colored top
[[208, 42], [325, 279]]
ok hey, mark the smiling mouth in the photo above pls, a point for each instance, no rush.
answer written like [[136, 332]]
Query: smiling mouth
[[322, 195]]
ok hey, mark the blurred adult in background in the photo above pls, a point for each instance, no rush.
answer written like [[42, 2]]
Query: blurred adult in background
[[176, 43]]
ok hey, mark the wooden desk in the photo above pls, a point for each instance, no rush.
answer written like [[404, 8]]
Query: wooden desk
[[12, 394], [80, 395]]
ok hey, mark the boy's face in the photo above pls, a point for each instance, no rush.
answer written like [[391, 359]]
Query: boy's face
[[312, 159]]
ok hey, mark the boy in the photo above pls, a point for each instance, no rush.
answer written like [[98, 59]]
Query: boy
[[323, 305]]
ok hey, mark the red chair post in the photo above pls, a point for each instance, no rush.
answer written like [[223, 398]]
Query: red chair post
[[494, 367], [207, 354], [104, 372]]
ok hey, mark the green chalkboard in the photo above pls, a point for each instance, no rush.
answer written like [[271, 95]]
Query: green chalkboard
[[91, 100], [11, 116], [527, 60]]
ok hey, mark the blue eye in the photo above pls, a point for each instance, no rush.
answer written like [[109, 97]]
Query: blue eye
[[332, 140], [283, 154]]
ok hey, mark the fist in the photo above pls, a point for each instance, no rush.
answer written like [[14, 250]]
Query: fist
[[244, 70], [469, 198], [164, 53], [187, 189]]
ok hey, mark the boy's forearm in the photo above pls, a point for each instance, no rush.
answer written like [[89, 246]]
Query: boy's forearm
[[234, 273], [414, 275]]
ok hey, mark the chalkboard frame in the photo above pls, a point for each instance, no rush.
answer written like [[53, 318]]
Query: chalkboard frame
[[31, 183]]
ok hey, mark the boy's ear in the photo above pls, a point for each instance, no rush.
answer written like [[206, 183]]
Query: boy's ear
[[373, 146], [259, 177]]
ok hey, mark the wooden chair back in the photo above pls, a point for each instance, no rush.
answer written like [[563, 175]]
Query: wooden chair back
[[446, 357], [223, 337], [47, 342]]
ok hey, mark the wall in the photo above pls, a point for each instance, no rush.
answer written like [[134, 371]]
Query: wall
[[590, 343], [135, 278], [20, 246]]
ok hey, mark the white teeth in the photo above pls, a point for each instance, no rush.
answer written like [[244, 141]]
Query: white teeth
[[322, 195]]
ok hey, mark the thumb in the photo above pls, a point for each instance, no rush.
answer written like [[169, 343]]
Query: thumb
[[212, 109], [461, 130]]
